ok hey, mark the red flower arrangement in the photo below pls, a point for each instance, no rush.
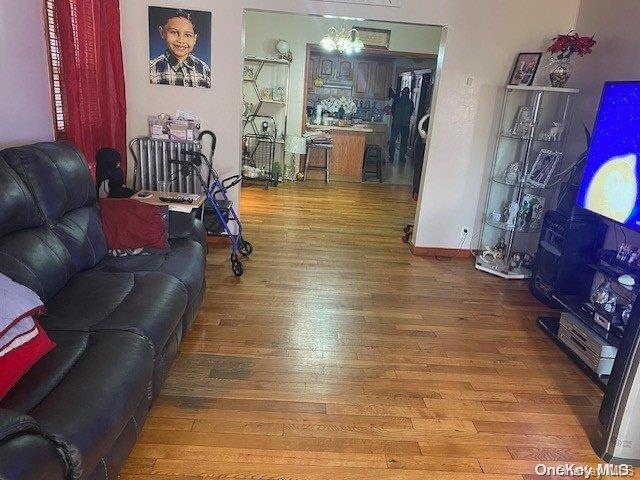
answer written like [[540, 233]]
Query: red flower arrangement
[[566, 45]]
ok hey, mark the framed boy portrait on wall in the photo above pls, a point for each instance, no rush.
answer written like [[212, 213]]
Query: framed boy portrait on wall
[[179, 47]]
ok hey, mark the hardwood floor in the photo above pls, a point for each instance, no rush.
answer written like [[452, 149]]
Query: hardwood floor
[[339, 355]]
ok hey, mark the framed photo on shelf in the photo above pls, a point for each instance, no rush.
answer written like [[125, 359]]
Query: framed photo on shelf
[[374, 37], [531, 213], [543, 168], [525, 68]]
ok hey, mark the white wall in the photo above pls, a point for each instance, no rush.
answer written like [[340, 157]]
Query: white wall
[[483, 37], [615, 57], [24, 76], [263, 29]]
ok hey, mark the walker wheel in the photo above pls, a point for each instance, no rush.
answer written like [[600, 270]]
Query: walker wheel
[[245, 248], [236, 266], [407, 229], [405, 239]]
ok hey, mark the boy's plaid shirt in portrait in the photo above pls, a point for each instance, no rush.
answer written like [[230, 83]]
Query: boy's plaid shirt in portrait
[[168, 70]]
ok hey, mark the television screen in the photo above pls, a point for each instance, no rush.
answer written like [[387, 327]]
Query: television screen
[[610, 183]]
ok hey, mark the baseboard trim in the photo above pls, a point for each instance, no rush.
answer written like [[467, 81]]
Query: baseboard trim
[[440, 252]]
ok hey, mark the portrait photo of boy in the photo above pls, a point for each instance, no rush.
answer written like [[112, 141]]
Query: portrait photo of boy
[[179, 47]]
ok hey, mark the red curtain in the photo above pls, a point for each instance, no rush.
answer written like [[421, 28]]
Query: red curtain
[[92, 75]]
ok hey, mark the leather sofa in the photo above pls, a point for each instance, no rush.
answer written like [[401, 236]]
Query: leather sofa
[[117, 322]]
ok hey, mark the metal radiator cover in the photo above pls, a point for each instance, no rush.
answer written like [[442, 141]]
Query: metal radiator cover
[[151, 159]]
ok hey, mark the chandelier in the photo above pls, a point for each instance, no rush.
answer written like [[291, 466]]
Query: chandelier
[[345, 41]]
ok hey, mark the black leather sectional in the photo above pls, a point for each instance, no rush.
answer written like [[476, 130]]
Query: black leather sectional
[[117, 322]]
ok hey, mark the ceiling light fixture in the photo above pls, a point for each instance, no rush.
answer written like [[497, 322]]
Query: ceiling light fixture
[[345, 42]]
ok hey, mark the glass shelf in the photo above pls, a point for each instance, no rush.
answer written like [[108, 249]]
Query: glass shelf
[[501, 269], [541, 140], [503, 226], [519, 184]]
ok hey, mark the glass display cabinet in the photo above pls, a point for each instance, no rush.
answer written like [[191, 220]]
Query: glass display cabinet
[[524, 177]]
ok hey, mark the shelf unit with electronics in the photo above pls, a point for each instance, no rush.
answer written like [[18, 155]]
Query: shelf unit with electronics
[[266, 88], [590, 333], [528, 153]]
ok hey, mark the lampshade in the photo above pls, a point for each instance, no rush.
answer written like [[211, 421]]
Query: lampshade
[[295, 145]]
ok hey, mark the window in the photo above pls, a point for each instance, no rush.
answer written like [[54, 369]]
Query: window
[[55, 69]]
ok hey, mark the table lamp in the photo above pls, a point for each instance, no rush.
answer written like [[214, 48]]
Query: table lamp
[[295, 146]]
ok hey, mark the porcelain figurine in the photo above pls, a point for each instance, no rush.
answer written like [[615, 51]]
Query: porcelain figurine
[[605, 297], [511, 173], [513, 215], [555, 133]]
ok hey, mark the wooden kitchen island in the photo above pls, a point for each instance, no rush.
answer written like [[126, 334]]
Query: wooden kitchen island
[[347, 154]]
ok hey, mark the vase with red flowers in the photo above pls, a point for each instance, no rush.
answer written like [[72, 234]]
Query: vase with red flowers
[[562, 49]]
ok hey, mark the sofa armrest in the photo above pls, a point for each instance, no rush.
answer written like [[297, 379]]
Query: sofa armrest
[[13, 423], [183, 225]]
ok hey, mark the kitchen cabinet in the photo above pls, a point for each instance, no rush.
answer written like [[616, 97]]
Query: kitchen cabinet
[[380, 81], [312, 73], [345, 71], [362, 78], [370, 75], [327, 68]]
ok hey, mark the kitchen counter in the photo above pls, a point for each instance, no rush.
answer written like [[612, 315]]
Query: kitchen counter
[[353, 128], [347, 154]]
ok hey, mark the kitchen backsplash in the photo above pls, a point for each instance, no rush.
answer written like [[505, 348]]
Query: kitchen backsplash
[[368, 109]]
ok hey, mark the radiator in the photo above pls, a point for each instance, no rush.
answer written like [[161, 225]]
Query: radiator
[[151, 160]]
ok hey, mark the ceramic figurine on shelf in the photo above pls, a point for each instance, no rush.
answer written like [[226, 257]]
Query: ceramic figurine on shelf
[[516, 261], [527, 261], [513, 215], [495, 253], [511, 173], [500, 248], [605, 297], [495, 217], [626, 314], [555, 134]]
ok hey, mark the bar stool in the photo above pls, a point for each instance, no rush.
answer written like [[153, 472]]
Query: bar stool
[[372, 155], [323, 146]]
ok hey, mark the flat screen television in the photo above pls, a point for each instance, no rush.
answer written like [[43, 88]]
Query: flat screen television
[[610, 183]]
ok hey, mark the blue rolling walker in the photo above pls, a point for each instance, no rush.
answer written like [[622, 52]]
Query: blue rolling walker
[[222, 208]]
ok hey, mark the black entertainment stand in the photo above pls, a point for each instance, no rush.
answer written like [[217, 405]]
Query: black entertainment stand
[[612, 270]]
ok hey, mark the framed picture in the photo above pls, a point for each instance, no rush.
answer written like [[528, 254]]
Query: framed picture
[[525, 68], [531, 212], [179, 47], [543, 168], [374, 37]]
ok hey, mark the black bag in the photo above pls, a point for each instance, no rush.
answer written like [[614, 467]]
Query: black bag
[[108, 170]]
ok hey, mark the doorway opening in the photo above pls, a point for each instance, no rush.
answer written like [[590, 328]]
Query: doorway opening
[[337, 101]]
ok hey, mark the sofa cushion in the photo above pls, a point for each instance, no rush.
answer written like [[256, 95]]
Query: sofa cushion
[[37, 259], [86, 391], [19, 210], [149, 304], [31, 457], [57, 176], [185, 261], [29, 253]]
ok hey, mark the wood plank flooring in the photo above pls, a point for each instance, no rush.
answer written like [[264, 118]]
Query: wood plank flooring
[[339, 355]]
